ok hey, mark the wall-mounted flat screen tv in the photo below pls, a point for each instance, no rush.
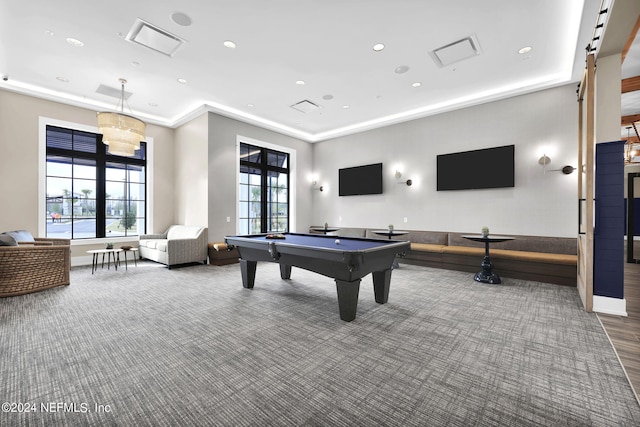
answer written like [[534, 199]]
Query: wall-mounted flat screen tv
[[486, 168], [360, 180]]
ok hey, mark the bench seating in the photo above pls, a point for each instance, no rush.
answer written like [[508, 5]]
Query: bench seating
[[543, 259]]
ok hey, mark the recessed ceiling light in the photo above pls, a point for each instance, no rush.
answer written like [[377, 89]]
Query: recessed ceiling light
[[49, 32], [182, 81], [229, 44], [346, 107], [416, 84], [525, 49], [378, 47], [74, 42], [181, 19], [300, 82], [401, 69], [327, 97], [250, 105], [62, 79]]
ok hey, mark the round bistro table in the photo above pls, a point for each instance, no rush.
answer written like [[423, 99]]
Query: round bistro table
[[487, 275]]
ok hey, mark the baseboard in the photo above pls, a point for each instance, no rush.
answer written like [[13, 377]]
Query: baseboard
[[77, 261], [608, 305]]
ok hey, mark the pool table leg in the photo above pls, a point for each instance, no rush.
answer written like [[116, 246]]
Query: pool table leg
[[381, 282], [285, 271], [348, 299], [248, 271]]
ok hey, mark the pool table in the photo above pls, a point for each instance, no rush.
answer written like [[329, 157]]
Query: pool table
[[347, 260]]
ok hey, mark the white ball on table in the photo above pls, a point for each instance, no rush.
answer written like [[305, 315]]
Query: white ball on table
[[337, 241]]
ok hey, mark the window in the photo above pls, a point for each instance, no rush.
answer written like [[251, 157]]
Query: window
[[264, 190], [89, 192]]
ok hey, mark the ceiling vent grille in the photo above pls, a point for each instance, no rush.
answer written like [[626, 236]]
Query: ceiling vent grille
[[305, 106], [113, 92], [154, 38], [456, 51]]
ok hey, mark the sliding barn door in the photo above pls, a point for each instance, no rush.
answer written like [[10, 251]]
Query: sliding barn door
[[586, 148]]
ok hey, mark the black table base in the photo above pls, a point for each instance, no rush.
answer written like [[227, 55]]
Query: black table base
[[487, 275], [347, 290]]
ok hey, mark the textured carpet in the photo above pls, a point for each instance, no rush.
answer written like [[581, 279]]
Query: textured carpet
[[190, 346]]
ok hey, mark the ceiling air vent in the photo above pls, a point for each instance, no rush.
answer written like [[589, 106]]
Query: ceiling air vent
[[305, 106], [456, 51], [112, 91], [154, 38]]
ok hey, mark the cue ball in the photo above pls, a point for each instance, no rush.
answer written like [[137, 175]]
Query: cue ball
[[337, 241]]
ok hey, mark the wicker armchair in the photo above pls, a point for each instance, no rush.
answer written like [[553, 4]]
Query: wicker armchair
[[34, 266]]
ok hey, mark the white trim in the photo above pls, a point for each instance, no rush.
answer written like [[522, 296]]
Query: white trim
[[608, 305], [78, 261], [42, 175], [292, 176]]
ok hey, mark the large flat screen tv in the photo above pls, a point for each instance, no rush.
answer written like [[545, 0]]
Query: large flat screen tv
[[486, 168], [360, 180]]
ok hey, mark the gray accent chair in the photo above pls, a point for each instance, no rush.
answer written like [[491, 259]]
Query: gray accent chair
[[180, 244]]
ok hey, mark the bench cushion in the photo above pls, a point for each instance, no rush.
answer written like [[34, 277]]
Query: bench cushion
[[535, 257], [426, 247]]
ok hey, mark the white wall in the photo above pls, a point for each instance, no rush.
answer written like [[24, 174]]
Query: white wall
[[608, 98], [191, 177], [540, 204]]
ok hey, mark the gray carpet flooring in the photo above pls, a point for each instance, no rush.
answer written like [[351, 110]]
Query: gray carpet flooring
[[190, 346]]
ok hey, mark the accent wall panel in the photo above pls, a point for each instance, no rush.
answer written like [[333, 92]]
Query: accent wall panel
[[608, 242]]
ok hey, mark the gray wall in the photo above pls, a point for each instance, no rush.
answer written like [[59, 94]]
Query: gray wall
[[223, 132], [540, 204]]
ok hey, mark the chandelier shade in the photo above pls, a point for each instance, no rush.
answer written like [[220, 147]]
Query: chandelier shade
[[120, 132]]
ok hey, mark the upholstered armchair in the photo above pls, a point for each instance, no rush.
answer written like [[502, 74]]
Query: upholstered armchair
[[180, 244], [32, 265]]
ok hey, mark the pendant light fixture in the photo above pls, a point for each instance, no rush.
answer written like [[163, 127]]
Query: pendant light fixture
[[121, 132], [630, 150]]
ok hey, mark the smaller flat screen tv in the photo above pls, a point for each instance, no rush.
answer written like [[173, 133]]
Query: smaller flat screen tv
[[360, 180], [476, 169]]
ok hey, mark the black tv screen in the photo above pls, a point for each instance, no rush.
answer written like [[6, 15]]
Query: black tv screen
[[360, 180], [486, 168]]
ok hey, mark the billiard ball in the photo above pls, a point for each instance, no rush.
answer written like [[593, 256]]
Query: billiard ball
[[337, 241]]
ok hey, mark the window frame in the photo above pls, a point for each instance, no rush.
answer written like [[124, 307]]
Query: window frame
[[291, 177], [42, 164]]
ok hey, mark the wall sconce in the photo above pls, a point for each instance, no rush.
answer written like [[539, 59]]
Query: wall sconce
[[315, 183], [545, 160], [399, 175]]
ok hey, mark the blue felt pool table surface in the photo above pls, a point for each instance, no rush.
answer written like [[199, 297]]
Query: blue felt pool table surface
[[328, 242]]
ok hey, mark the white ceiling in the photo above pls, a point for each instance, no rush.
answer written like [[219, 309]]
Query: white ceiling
[[328, 44]]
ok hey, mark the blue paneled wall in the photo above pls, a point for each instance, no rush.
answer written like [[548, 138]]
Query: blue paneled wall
[[608, 243]]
